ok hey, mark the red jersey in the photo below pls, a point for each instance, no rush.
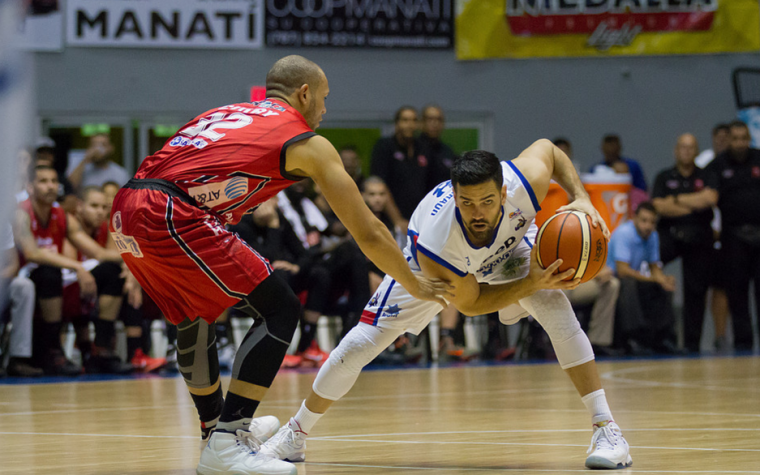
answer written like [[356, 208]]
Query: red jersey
[[231, 158], [48, 235], [100, 236]]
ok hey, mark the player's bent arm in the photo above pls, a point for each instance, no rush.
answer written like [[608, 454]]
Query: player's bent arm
[[22, 234], [544, 161], [669, 208], [473, 298], [317, 158], [86, 244]]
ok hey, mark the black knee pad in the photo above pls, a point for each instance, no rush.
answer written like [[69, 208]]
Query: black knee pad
[[48, 282], [274, 301], [196, 353], [107, 278]]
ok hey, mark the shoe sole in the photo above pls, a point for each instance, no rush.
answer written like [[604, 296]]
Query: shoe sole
[[204, 470], [594, 462]]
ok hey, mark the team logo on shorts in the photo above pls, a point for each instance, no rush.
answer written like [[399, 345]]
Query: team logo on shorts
[[117, 221], [392, 311], [512, 266], [374, 300]]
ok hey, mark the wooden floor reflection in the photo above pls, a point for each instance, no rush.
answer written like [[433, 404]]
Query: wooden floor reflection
[[680, 416]]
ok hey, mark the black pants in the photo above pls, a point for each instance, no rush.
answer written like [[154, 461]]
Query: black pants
[[644, 313], [696, 268], [742, 266]]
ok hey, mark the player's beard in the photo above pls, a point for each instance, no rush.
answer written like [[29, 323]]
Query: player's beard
[[482, 233]]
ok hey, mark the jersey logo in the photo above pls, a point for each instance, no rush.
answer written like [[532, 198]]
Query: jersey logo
[[214, 194], [441, 189], [512, 266], [521, 223]]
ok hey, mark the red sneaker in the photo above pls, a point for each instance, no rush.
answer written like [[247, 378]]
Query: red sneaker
[[315, 355], [144, 363], [291, 361]]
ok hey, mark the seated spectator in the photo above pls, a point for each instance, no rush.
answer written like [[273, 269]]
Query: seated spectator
[[40, 228], [683, 197], [601, 293], [110, 188], [97, 167], [644, 317], [271, 235], [45, 154], [17, 296], [92, 214]]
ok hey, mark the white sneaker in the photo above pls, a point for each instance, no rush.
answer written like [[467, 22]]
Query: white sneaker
[[289, 443], [239, 454], [608, 448], [261, 428]]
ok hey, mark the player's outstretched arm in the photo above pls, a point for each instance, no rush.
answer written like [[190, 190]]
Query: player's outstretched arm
[[473, 298], [317, 158], [544, 161]]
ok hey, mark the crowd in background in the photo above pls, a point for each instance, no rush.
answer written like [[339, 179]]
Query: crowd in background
[[62, 267]]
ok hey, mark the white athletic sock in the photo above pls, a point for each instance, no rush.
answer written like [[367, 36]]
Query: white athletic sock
[[305, 419], [596, 403]]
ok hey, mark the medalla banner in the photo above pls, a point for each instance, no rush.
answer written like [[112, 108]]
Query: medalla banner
[[546, 28], [360, 23], [165, 24]]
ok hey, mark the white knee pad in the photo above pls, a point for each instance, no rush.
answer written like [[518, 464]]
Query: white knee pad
[[357, 349], [555, 314]]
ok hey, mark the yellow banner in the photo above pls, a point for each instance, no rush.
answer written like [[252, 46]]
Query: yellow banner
[[556, 28]]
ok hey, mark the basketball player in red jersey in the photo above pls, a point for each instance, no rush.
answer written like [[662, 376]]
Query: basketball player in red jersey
[[39, 230], [168, 222]]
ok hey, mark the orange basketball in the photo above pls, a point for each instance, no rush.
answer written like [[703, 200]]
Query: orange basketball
[[570, 236]]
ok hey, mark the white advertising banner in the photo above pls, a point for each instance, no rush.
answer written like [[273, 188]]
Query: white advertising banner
[[166, 24]]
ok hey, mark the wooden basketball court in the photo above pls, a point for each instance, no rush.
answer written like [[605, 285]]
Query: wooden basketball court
[[680, 416]]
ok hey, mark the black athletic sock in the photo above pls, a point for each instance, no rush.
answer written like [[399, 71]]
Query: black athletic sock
[[308, 332], [209, 409], [104, 333], [133, 343], [447, 333], [146, 341]]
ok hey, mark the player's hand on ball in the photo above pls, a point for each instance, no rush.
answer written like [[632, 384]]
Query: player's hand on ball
[[584, 205], [431, 289], [548, 278]]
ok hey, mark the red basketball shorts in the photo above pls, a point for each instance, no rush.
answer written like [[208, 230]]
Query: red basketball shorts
[[183, 257]]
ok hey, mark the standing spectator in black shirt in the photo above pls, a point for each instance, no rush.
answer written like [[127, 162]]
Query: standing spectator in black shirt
[[401, 163], [738, 174], [440, 155], [684, 196]]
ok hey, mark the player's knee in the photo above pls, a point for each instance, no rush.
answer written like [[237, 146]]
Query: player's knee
[[274, 301], [48, 282], [107, 277], [574, 351]]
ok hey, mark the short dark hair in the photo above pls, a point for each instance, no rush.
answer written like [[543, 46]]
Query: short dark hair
[[561, 141], [401, 110], [476, 167], [34, 166], [722, 127], [290, 73], [610, 138], [646, 206], [109, 183], [738, 123], [85, 193]]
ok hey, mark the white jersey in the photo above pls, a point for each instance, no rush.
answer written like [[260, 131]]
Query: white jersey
[[436, 230]]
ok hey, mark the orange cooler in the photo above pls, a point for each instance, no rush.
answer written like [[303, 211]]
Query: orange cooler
[[609, 195]]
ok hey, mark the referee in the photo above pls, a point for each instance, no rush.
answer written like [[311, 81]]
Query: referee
[[738, 173], [683, 197]]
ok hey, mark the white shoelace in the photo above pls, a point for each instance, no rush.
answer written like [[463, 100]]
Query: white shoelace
[[246, 441], [604, 437]]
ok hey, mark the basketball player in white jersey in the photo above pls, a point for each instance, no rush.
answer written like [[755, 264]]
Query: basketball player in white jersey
[[476, 232]]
